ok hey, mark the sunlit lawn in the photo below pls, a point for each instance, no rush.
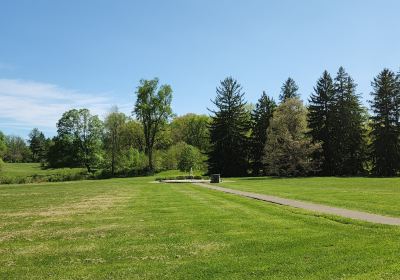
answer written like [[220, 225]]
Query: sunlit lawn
[[134, 229], [376, 195]]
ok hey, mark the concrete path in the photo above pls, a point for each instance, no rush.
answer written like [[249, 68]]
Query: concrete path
[[373, 218]]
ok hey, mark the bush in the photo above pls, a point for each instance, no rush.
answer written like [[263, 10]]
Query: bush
[[182, 156], [1, 164]]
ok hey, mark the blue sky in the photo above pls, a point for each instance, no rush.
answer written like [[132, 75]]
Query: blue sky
[[56, 55]]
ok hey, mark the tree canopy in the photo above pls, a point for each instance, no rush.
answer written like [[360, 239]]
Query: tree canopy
[[289, 149], [152, 109]]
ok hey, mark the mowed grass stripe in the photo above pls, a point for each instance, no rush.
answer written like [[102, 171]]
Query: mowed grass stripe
[[179, 232], [373, 195]]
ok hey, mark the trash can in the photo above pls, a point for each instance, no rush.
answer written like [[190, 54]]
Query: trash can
[[215, 178]]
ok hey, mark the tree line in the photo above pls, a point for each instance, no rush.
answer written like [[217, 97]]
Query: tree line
[[332, 135]]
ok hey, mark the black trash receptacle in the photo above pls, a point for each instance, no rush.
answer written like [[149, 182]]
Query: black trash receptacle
[[215, 178]]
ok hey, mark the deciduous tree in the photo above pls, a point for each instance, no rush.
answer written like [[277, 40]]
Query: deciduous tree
[[289, 149], [84, 131], [153, 109], [114, 125]]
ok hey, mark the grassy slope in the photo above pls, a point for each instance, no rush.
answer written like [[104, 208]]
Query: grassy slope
[[376, 195], [30, 169], [133, 229]]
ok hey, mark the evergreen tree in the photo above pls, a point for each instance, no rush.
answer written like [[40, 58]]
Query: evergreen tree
[[228, 131], [289, 89], [260, 122], [385, 145], [348, 142], [37, 144], [321, 120]]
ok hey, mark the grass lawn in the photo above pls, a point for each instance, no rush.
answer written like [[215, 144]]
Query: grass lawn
[[134, 229], [375, 195], [30, 169]]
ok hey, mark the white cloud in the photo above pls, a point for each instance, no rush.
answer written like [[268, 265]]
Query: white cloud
[[33, 104]]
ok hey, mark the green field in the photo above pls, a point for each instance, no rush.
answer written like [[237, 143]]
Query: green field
[[375, 195], [136, 229], [20, 171]]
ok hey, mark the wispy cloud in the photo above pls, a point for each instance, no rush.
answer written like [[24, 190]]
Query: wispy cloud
[[34, 104]]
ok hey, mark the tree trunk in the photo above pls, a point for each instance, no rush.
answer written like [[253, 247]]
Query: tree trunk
[[150, 155]]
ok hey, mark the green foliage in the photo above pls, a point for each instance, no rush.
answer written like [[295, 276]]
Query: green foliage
[[321, 120], [192, 129], [229, 131], [84, 132], [289, 149], [132, 135], [152, 109], [17, 150], [3, 144], [113, 137], [37, 145], [385, 146], [260, 119], [348, 145], [62, 152], [289, 89], [1, 164], [191, 158], [182, 156]]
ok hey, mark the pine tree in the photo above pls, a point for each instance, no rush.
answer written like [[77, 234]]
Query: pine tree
[[321, 120], [260, 122], [348, 142], [228, 129], [385, 133], [289, 89], [37, 145]]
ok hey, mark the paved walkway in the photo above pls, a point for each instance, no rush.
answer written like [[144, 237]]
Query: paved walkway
[[373, 218]]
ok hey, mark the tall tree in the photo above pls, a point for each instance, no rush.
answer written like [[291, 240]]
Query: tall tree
[[289, 148], [37, 144], [349, 146], [385, 146], [114, 125], [228, 131], [260, 119], [153, 109], [84, 131], [289, 89], [321, 118]]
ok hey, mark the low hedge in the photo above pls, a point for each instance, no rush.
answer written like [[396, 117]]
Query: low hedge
[[182, 178]]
